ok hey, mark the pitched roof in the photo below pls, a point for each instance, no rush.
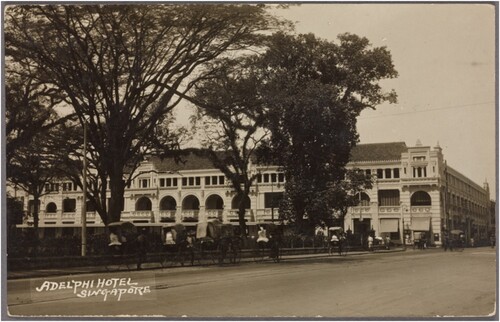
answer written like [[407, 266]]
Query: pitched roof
[[378, 151], [186, 162], [360, 153]]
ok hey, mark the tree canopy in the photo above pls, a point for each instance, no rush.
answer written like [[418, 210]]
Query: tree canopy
[[232, 117], [123, 68], [315, 91]]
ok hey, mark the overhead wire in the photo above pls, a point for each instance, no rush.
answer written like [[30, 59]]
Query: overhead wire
[[428, 110]]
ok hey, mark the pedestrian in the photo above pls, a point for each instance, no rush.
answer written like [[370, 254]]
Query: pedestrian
[[423, 241], [387, 242], [446, 241], [142, 248], [370, 243]]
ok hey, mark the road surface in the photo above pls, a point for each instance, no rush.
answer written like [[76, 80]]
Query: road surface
[[413, 284]]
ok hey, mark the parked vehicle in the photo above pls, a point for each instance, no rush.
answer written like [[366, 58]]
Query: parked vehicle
[[217, 242], [338, 242]]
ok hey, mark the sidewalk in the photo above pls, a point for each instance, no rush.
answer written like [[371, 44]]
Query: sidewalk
[[50, 272]]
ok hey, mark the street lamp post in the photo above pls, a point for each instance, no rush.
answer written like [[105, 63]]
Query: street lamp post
[[402, 232], [84, 186]]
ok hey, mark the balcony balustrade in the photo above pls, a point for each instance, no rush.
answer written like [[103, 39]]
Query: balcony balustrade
[[167, 215], [233, 215], [91, 214], [420, 209], [214, 213], [190, 215], [68, 215], [389, 209], [50, 215]]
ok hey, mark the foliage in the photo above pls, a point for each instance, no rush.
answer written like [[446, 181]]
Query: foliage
[[15, 212], [232, 117], [123, 68], [37, 164], [315, 91], [30, 106]]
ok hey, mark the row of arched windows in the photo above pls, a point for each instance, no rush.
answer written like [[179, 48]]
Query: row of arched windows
[[391, 198], [167, 203], [191, 202]]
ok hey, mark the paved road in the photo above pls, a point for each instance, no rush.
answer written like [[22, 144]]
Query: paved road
[[429, 283]]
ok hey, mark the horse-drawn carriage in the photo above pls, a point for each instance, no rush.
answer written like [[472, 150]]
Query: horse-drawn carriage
[[122, 249], [211, 242], [177, 245], [218, 242], [338, 242], [268, 243]]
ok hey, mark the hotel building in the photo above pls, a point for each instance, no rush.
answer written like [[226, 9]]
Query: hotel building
[[415, 191]]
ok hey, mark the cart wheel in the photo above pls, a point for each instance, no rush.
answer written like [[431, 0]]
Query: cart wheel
[[168, 260], [277, 255], [344, 250], [259, 254]]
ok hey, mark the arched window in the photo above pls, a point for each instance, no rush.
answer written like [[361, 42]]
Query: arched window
[[191, 203], [421, 198], [214, 202], [51, 207], [168, 203], [365, 199], [143, 204], [236, 201]]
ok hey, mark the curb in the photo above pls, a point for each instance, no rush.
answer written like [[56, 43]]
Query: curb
[[55, 272]]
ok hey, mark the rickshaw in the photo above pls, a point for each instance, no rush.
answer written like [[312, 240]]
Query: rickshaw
[[457, 240], [337, 241], [216, 243], [268, 243], [121, 247], [178, 245]]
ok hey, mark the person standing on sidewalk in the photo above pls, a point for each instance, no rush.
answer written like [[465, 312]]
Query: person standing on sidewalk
[[142, 248], [370, 243]]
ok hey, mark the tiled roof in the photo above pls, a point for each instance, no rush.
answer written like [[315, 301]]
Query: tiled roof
[[378, 151], [360, 153], [187, 162]]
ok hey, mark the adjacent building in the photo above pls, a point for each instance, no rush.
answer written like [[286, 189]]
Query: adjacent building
[[415, 194]]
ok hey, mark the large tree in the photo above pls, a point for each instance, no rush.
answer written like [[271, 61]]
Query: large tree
[[231, 114], [30, 106], [316, 89], [122, 67], [36, 165]]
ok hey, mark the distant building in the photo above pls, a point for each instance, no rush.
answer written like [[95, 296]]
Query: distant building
[[415, 194]]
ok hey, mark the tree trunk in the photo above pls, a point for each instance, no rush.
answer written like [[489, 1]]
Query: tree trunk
[[36, 219], [36, 210], [241, 216], [117, 187]]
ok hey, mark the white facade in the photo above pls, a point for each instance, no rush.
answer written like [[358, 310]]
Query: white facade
[[414, 191]]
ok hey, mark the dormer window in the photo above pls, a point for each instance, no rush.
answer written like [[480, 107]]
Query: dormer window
[[421, 158]]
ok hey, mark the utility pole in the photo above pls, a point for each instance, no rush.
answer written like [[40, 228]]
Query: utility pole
[[84, 186]]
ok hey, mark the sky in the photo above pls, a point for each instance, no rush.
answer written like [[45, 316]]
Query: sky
[[445, 57]]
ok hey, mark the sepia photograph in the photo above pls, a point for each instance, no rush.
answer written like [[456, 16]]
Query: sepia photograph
[[249, 160]]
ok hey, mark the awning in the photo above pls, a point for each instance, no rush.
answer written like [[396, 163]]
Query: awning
[[420, 224], [389, 225]]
